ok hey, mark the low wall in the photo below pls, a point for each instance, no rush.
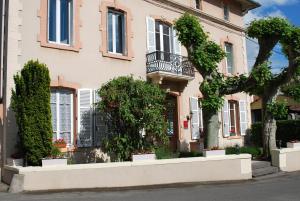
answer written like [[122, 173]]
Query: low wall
[[287, 159], [131, 174]]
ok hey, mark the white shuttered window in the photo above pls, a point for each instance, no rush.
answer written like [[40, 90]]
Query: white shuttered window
[[62, 115], [243, 116], [226, 120], [151, 46], [85, 118], [195, 120]]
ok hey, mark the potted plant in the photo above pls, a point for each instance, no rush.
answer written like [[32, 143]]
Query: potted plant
[[61, 145], [215, 151], [232, 133], [55, 159], [293, 144]]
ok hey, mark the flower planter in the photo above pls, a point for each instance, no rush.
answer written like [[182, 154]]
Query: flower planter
[[210, 153], [143, 157], [60, 145], [293, 145], [15, 162], [54, 162], [63, 150]]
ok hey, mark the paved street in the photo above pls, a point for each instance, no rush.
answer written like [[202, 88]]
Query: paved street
[[282, 188]]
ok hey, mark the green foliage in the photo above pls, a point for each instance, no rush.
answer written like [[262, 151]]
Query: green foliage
[[133, 106], [254, 151], [31, 104], [190, 154], [269, 28], [292, 89], [56, 153], [164, 152], [287, 130], [203, 53], [262, 76], [278, 110]]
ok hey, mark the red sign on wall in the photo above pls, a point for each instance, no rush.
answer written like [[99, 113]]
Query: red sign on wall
[[185, 124]]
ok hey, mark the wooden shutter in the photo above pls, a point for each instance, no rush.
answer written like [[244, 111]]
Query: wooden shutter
[[195, 118], [200, 117], [151, 45], [53, 104], [85, 118], [243, 116], [176, 43], [226, 121]]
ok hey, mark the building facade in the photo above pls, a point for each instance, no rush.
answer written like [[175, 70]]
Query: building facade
[[87, 43]]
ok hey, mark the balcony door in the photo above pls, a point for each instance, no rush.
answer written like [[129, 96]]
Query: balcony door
[[163, 40]]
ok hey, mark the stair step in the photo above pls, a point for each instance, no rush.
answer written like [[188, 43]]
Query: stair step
[[260, 164], [264, 171]]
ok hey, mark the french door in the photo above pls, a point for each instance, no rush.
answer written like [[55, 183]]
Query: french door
[[163, 35]]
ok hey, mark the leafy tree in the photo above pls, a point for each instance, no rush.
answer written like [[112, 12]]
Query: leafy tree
[[205, 56], [31, 104], [136, 111]]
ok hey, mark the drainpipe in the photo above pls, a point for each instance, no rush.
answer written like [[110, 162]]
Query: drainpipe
[[3, 67]]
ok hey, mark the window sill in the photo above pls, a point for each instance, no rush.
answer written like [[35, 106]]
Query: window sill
[[234, 137], [75, 48], [116, 56]]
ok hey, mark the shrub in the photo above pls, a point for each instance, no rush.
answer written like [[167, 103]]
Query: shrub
[[254, 151], [31, 104], [165, 153], [287, 130], [190, 154], [136, 114]]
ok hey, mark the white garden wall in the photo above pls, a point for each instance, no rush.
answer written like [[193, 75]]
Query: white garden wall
[[131, 174]]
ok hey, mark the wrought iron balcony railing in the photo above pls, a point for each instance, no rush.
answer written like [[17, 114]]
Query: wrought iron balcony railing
[[170, 63]]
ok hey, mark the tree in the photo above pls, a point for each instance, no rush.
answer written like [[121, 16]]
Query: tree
[[262, 82], [205, 56], [31, 104], [136, 111]]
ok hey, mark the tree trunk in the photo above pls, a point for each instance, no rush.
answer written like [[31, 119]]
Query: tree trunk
[[269, 128], [211, 128]]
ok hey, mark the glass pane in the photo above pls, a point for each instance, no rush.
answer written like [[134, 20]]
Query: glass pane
[[167, 47], [110, 32], [119, 26], [52, 21], [229, 57], [166, 30], [65, 21]]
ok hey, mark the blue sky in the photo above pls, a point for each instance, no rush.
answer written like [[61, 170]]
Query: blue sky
[[289, 9]]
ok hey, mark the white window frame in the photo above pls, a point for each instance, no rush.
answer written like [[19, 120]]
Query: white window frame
[[114, 31], [58, 19], [58, 136], [234, 116], [226, 59]]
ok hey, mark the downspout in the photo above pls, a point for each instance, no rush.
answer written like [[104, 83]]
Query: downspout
[[5, 14]]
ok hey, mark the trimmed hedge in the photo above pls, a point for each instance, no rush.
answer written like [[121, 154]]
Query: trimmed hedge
[[254, 151], [287, 130], [31, 104]]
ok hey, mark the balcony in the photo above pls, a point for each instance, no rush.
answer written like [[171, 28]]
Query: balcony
[[168, 66]]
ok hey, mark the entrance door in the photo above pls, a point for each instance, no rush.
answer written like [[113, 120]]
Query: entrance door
[[172, 120]]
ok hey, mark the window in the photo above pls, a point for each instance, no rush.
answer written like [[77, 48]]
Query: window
[[60, 21], [62, 115], [116, 32], [233, 117], [229, 58], [226, 11], [235, 121], [198, 4]]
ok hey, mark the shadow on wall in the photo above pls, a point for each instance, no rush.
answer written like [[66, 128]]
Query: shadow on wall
[[12, 138]]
